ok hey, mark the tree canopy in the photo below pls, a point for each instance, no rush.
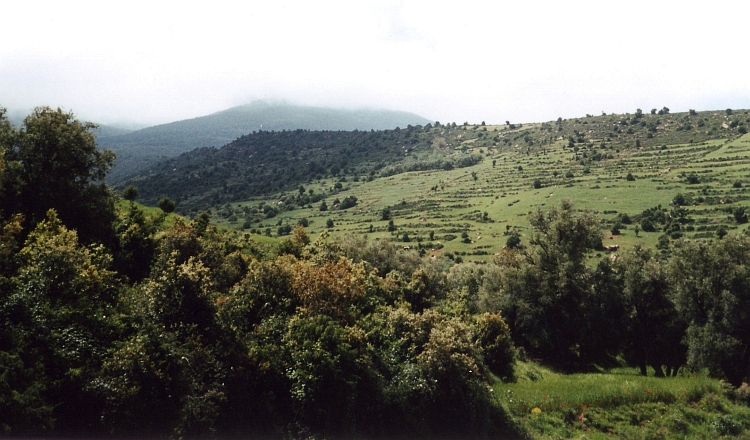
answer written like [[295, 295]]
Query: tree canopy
[[52, 162]]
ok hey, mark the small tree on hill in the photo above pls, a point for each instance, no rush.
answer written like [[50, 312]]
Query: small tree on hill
[[130, 193], [167, 205]]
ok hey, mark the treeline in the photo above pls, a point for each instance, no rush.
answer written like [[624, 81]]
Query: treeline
[[153, 327]]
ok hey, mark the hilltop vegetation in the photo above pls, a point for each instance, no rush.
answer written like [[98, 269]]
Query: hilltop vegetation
[[147, 325], [142, 148], [267, 162]]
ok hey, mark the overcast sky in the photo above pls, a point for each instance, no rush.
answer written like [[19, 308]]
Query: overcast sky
[[524, 61]]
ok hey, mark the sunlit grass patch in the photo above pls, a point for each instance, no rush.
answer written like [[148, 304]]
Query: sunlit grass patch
[[621, 404]]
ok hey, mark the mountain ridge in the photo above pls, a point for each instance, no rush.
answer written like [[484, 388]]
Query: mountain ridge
[[142, 148]]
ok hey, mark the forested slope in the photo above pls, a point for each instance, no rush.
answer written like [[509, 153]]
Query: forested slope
[[266, 162], [141, 148]]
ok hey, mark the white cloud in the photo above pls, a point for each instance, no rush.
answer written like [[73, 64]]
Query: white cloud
[[521, 61]]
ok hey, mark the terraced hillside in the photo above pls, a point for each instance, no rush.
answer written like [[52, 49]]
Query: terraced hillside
[[653, 189]]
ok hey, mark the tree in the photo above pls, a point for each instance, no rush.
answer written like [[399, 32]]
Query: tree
[[53, 163], [329, 223], [348, 202], [385, 214], [167, 205], [647, 225], [545, 293], [712, 292], [740, 216], [514, 240], [130, 193], [58, 317], [630, 177], [653, 328], [323, 206]]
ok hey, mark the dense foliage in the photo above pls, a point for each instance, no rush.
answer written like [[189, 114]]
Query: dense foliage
[[172, 329], [117, 322]]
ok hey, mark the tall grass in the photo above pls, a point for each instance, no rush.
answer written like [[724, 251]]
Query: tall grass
[[557, 392]]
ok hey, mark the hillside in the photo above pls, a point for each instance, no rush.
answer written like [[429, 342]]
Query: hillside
[[142, 148], [362, 314], [267, 162], [105, 132], [469, 209]]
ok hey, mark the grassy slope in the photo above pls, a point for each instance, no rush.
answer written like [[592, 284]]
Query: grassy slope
[[450, 202], [621, 404]]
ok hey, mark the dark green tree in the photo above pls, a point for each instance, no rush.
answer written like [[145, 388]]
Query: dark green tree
[[712, 293], [385, 214], [167, 205], [653, 329], [130, 193], [545, 294], [52, 162]]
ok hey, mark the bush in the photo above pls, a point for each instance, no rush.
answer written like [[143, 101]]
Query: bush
[[740, 216], [496, 345], [647, 225], [630, 177], [513, 241], [348, 202]]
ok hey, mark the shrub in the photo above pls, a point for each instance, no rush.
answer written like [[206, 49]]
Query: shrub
[[740, 216], [348, 202], [496, 344]]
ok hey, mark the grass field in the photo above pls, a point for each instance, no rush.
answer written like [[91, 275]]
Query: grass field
[[621, 404]]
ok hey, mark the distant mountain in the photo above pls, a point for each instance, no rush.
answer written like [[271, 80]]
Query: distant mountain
[[108, 131], [142, 148]]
